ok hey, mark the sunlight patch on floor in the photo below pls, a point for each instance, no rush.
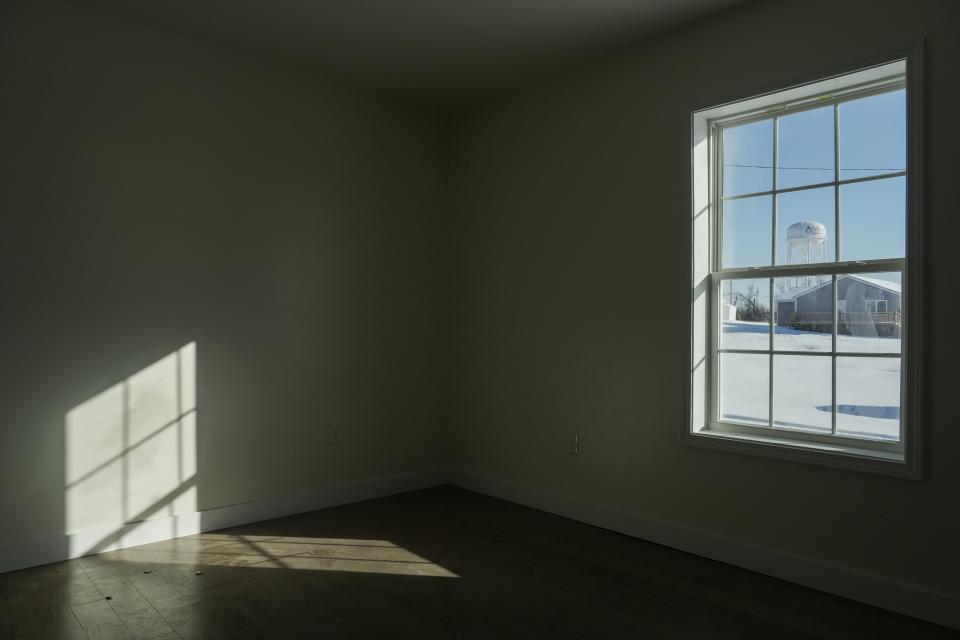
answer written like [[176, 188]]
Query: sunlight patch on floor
[[279, 552]]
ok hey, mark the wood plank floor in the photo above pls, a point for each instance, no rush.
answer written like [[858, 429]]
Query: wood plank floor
[[439, 563]]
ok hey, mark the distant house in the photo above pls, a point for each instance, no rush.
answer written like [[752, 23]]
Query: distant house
[[867, 307]]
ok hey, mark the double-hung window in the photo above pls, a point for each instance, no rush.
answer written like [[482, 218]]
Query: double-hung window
[[805, 283]]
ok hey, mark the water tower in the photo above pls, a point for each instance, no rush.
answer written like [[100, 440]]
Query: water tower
[[806, 244]]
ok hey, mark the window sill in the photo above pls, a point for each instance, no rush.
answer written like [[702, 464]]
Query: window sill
[[785, 448]]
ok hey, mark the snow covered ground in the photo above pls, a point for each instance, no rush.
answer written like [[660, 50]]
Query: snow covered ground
[[868, 389]]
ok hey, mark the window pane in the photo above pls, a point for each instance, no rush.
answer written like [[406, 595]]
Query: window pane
[[748, 158], [868, 398], [803, 314], [873, 219], [803, 393], [744, 388], [745, 314], [805, 148], [805, 226], [873, 135], [869, 313], [747, 232]]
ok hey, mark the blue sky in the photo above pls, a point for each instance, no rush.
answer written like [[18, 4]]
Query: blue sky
[[872, 142]]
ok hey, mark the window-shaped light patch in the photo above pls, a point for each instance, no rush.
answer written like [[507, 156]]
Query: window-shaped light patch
[[94, 446], [131, 450]]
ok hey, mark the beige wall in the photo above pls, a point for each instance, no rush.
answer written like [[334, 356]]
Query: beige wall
[[573, 200], [158, 192]]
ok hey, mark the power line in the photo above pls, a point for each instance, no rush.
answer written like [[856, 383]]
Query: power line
[[768, 166]]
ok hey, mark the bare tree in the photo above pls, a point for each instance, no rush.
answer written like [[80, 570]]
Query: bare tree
[[749, 307], [781, 286]]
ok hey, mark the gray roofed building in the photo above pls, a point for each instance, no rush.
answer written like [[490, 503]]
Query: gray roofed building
[[866, 306]]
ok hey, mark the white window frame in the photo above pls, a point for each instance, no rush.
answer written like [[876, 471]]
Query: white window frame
[[876, 306], [701, 425]]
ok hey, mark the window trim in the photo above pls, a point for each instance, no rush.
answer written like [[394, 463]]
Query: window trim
[[835, 268], [802, 93]]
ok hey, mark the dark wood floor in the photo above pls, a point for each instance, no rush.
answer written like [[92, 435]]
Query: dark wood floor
[[440, 563]]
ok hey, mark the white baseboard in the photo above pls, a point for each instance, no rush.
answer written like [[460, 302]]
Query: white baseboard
[[912, 600], [31, 553]]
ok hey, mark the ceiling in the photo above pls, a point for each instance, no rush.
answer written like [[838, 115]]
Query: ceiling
[[437, 51]]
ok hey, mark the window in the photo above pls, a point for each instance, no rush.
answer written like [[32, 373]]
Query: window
[[877, 306], [804, 327]]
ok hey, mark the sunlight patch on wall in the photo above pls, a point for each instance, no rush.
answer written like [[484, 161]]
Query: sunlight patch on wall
[[131, 450]]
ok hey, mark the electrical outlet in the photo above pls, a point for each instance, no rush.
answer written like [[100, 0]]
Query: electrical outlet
[[575, 445], [334, 438]]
